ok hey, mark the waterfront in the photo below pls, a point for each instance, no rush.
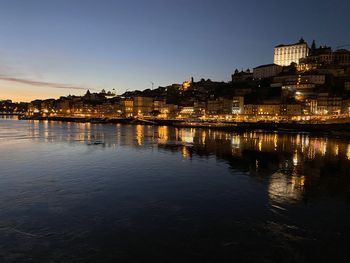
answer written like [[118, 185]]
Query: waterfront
[[130, 193]]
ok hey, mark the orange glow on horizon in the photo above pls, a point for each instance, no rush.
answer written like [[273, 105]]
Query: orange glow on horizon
[[20, 92]]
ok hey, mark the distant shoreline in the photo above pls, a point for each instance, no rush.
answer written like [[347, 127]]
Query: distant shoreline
[[328, 128]]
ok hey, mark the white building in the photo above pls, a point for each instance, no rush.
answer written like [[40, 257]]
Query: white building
[[286, 54]]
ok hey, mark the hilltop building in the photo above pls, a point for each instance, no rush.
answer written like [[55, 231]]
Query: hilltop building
[[284, 55], [239, 76]]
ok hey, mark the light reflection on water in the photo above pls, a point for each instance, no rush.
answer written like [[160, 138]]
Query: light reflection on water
[[104, 192]]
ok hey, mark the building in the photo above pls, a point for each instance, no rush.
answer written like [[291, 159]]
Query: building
[[309, 106], [250, 109], [199, 108], [346, 107], [284, 55], [242, 76], [187, 84], [9, 107], [186, 112], [127, 107], [327, 105], [219, 106], [298, 79], [341, 57], [238, 105], [142, 106], [312, 79], [158, 104], [299, 92], [268, 109], [290, 110], [318, 56], [266, 71], [285, 79], [168, 111], [324, 56], [34, 107]]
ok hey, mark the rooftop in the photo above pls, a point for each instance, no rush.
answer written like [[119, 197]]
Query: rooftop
[[266, 65], [301, 42]]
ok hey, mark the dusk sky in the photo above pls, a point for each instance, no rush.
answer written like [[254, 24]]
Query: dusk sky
[[51, 48]]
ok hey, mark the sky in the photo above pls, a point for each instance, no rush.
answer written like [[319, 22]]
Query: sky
[[53, 48]]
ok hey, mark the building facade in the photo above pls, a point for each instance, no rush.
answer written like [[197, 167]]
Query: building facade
[[142, 105], [238, 105], [284, 55], [266, 71]]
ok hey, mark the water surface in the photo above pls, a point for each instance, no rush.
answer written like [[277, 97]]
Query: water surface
[[120, 193]]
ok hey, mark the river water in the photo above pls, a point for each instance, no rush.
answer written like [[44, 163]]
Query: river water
[[120, 193]]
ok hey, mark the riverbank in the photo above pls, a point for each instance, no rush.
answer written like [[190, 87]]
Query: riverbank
[[340, 128]]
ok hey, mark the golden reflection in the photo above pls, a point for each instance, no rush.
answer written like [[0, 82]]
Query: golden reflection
[[284, 189], [282, 155], [204, 135], [336, 150], [298, 182], [139, 134], [163, 134], [260, 145], [298, 140], [311, 153], [295, 158], [302, 147], [236, 141], [324, 148], [302, 181], [177, 134], [185, 152], [187, 135]]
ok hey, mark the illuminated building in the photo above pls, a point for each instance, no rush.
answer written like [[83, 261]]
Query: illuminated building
[[309, 107], [328, 105], [284, 55], [187, 111], [290, 109], [250, 109], [168, 111], [186, 84], [268, 109], [238, 105], [158, 104], [127, 107], [34, 107], [143, 105]]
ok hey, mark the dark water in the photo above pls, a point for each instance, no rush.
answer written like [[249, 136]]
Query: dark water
[[112, 193]]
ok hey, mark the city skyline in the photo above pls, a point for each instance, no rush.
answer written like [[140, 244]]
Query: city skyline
[[54, 49]]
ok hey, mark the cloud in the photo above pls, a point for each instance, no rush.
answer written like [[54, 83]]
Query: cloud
[[41, 83]]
